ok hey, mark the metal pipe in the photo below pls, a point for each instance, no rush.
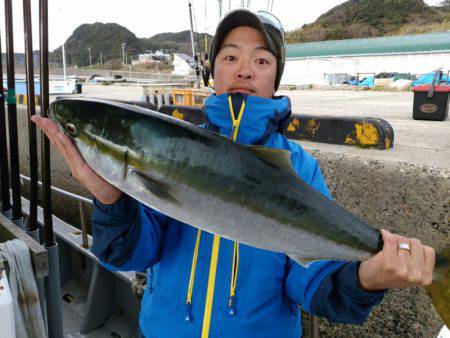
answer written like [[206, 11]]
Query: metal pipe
[[31, 108], [62, 192], [12, 115], [45, 144], [4, 169], [53, 293], [83, 222], [40, 281]]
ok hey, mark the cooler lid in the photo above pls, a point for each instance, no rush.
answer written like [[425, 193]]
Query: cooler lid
[[426, 88]]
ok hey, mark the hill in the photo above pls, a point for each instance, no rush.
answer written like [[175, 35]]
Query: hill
[[107, 39], [177, 42], [368, 18]]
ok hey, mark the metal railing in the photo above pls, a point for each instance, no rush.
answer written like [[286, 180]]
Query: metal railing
[[82, 202]]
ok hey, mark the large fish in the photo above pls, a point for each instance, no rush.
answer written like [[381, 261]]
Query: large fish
[[249, 194]]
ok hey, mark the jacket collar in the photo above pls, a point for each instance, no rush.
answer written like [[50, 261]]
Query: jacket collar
[[260, 118]]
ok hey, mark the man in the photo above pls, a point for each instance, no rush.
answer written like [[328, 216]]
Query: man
[[203, 285]]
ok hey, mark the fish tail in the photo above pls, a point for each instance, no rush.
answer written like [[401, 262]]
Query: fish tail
[[439, 290]]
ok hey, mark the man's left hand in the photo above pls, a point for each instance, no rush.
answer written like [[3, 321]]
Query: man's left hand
[[394, 267]]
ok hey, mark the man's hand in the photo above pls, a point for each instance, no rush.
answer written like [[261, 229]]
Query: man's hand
[[101, 189], [394, 267]]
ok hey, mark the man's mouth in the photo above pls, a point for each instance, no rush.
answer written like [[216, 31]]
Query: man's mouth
[[240, 90]]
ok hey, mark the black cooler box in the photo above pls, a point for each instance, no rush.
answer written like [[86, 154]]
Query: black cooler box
[[431, 102]]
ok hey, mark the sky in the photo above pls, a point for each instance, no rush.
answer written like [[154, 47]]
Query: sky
[[146, 18]]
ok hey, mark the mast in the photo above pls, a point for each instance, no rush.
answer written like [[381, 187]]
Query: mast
[[192, 30], [197, 81]]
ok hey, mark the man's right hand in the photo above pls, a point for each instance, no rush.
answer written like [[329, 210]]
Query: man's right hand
[[105, 192]]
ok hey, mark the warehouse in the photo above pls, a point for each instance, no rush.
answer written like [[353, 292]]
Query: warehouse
[[314, 62]]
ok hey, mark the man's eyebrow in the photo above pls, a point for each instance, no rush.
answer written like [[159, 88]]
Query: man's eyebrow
[[229, 45], [232, 45], [263, 48]]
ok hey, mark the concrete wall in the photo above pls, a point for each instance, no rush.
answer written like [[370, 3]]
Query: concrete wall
[[403, 198], [312, 70], [413, 200]]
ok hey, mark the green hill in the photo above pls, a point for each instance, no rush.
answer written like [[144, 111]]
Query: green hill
[[370, 18], [177, 42], [107, 39]]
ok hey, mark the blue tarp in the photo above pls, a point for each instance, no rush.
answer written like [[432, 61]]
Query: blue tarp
[[21, 87], [367, 82], [427, 79]]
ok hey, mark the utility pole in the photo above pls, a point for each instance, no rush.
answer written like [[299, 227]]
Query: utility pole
[[123, 53], [101, 59], [64, 61], [242, 3], [220, 9], [248, 3], [63, 50], [90, 57]]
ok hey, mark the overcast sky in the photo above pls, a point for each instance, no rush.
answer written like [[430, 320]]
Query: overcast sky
[[146, 18]]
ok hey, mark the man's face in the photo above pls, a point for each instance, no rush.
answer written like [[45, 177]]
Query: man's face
[[244, 64]]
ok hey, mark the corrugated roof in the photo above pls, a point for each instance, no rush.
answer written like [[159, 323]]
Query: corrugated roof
[[415, 43]]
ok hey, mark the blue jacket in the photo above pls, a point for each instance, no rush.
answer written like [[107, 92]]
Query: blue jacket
[[269, 286]]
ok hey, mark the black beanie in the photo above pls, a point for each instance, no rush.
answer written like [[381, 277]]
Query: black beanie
[[242, 17]]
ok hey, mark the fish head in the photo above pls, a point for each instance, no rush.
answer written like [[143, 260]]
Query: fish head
[[78, 117], [70, 116]]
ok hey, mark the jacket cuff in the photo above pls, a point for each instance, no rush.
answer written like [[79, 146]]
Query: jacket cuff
[[349, 282], [125, 206]]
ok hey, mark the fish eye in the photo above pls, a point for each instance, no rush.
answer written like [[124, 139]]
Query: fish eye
[[70, 127]]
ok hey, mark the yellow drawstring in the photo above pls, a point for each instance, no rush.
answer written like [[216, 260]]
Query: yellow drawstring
[[235, 263], [234, 276], [215, 253], [192, 276]]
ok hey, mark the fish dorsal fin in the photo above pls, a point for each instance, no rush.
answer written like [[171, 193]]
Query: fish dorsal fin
[[156, 188], [279, 158]]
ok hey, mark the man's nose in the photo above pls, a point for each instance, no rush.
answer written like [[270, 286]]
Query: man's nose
[[244, 71]]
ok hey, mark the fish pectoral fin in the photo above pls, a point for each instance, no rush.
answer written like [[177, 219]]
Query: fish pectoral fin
[[279, 158], [158, 189], [303, 261]]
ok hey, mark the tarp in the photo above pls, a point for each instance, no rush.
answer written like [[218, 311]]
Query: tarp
[[27, 309], [367, 82], [427, 79]]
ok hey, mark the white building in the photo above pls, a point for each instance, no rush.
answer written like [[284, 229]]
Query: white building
[[307, 63], [153, 57], [182, 64]]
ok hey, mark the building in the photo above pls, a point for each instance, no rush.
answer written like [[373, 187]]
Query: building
[[183, 64], [308, 63], [153, 57]]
